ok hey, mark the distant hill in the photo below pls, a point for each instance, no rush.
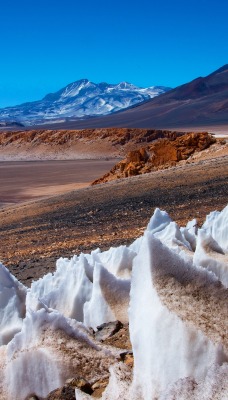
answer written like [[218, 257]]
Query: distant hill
[[10, 124], [201, 102], [80, 99]]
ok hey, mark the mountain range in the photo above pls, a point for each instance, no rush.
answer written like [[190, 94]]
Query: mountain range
[[202, 102], [79, 100]]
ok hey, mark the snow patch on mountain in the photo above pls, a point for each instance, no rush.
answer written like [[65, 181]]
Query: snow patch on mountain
[[80, 99]]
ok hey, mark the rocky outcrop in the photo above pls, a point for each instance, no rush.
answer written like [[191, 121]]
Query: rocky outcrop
[[76, 144], [163, 153], [117, 136]]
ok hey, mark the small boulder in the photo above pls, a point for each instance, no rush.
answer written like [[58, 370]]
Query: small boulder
[[107, 330], [128, 358], [64, 393]]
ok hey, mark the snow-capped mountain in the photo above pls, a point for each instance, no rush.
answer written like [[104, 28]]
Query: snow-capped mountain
[[80, 99]]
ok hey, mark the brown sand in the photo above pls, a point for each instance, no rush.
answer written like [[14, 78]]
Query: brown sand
[[22, 181]]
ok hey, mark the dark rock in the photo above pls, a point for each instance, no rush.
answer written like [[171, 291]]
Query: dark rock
[[99, 387], [64, 393], [107, 330], [124, 354], [81, 384], [127, 357], [32, 397]]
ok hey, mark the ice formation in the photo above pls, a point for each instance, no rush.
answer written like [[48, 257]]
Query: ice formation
[[168, 347], [12, 305], [170, 284]]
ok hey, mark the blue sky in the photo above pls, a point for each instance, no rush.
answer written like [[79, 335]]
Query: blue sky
[[46, 44]]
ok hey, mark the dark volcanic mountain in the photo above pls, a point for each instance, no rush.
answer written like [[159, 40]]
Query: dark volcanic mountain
[[80, 100], [202, 102]]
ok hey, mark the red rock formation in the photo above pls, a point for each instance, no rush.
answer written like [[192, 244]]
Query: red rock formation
[[118, 136], [75, 144], [161, 154]]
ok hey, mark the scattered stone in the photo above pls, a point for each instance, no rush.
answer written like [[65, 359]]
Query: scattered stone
[[32, 397], [81, 384], [99, 387], [128, 358], [107, 330], [120, 339], [64, 393], [67, 392]]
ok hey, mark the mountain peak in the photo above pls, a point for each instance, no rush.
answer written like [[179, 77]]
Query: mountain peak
[[79, 83], [85, 80], [81, 99], [125, 85], [199, 103]]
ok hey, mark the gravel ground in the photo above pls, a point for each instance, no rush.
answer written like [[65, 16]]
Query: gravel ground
[[35, 234]]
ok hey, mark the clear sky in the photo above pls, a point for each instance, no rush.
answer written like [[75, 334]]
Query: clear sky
[[46, 44]]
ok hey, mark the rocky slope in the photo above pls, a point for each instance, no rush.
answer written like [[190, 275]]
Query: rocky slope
[[163, 153], [80, 99]]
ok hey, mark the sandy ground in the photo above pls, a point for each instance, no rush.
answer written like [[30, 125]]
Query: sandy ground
[[22, 181], [34, 235]]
